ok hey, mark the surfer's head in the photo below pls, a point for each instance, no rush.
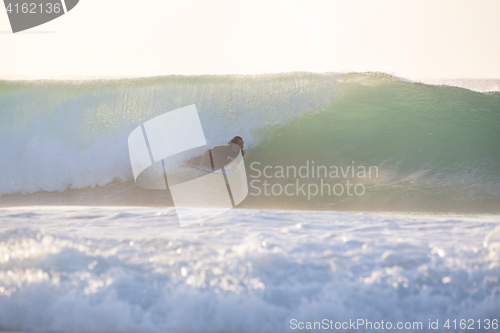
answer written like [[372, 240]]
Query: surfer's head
[[237, 140]]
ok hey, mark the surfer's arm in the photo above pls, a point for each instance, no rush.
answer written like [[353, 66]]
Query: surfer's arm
[[233, 166], [203, 160]]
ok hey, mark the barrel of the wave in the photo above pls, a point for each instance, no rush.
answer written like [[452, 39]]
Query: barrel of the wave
[[25, 14]]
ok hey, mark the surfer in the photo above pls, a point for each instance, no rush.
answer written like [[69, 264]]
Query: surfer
[[220, 156]]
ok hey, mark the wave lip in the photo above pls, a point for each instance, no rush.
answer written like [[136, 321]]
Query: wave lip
[[479, 85]]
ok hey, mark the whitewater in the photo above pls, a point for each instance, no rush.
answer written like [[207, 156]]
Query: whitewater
[[84, 249], [133, 269]]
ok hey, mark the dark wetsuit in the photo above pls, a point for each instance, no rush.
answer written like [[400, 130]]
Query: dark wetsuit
[[221, 156], [217, 158]]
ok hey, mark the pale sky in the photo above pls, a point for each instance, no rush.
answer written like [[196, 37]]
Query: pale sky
[[124, 38]]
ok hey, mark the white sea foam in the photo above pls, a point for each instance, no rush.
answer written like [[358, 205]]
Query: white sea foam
[[46, 164], [89, 269]]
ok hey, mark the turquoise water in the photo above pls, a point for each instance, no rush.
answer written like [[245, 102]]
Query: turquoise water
[[435, 148]]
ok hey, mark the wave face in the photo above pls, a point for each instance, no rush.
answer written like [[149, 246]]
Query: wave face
[[435, 148]]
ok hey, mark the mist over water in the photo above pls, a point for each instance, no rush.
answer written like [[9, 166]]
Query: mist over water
[[435, 147]]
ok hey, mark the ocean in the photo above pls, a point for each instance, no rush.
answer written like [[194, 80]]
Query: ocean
[[413, 239]]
